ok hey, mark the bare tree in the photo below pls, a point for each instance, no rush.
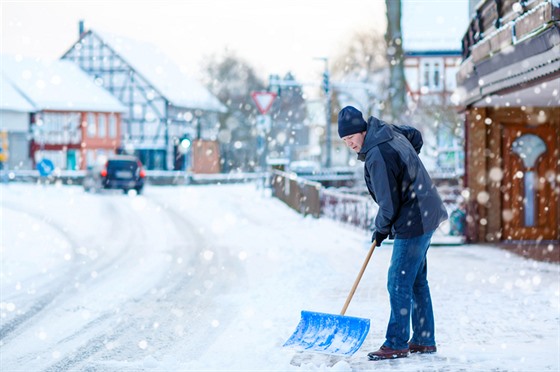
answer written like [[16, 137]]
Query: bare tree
[[363, 54], [232, 80], [359, 70]]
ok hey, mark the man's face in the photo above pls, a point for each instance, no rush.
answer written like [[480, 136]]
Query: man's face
[[355, 141]]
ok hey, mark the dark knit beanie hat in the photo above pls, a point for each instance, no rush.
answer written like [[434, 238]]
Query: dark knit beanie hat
[[350, 121]]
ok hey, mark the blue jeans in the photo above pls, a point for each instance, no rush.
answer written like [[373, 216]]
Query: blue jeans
[[409, 294]]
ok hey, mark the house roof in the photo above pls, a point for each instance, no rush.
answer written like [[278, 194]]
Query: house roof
[[162, 73], [57, 85], [433, 53], [434, 25], [11, 99]]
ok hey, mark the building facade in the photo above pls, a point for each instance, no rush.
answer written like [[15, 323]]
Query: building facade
[[430, 75], [162, 105], [509, 85], [15, 114], [431, 83], [74, 123], [74, 139], [432, 34]]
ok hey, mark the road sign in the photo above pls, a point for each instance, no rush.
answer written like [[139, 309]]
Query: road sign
[[263, 100], [45, 167], [264, 123]]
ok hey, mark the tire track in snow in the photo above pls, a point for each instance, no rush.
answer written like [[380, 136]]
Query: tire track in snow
[[183, 301], [63, 289], [185, 305], [10, 326], [101, 339], [159, 301]]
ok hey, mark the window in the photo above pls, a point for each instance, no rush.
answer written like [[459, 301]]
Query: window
[[102, 125], [529, 148], [72, 125], [426, 80], [91, 125], [431, 72], [437, 75], [112, 126], [90, 158]]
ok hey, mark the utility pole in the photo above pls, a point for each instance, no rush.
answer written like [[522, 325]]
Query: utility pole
[[327, 91]]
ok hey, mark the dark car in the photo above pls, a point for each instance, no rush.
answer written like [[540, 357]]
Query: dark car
[[119, 172]]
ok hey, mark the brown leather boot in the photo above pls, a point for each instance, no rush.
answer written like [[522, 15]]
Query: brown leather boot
[[415, 348], [387, 353]]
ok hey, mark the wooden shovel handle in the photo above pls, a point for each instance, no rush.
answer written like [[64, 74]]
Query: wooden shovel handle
[[351, 294]]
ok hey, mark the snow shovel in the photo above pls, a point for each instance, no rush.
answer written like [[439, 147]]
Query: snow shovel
[[329, 333]]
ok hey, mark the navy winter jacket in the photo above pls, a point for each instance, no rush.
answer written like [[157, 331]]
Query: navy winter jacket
[[409, 204]]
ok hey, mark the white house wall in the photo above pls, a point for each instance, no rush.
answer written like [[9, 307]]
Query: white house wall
[[13, 121], [18, 151], [16, 125], [450, 77], [420, 75], [411, 75]]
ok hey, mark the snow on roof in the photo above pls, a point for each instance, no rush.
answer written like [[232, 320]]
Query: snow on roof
[[57, 85], [434, 25], [160, 71], [11, 99]]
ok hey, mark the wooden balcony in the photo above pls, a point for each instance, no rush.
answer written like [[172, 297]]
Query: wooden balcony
[[508, 43], [505, 22]]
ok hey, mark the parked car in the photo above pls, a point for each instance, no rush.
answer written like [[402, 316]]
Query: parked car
[[119, 172]]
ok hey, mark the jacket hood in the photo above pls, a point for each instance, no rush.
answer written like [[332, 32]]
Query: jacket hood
[[378, 132]]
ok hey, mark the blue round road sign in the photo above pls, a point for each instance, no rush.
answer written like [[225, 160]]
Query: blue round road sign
[[45, 167]]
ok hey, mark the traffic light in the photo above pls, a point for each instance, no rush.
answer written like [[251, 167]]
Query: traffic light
[[184, 144], [326, 83]]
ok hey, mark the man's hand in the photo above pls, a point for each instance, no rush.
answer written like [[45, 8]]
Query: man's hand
[[378, 237]]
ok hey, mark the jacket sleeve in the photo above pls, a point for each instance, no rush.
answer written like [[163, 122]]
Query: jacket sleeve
[[385, 186], [413, 136]]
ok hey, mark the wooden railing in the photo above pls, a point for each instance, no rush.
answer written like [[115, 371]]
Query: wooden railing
[[299, 194], [310, 198]]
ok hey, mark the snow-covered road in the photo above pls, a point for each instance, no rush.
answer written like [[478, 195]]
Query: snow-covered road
[[214, 278], [123, 275]]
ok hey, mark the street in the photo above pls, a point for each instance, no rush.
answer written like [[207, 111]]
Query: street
[[214, 278], [131, 268]]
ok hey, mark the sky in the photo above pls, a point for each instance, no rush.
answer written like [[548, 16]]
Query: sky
[[273, 36]]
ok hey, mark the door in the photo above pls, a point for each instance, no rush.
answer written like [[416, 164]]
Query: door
[[530, 204], [71, 160]]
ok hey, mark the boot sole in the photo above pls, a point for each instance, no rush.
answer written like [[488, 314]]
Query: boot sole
[[384, 357], [423, 351]]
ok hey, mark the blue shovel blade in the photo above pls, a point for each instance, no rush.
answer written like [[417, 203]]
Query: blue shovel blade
[[329, 334]]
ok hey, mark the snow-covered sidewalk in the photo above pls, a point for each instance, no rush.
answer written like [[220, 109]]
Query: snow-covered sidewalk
[[263, 264]]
